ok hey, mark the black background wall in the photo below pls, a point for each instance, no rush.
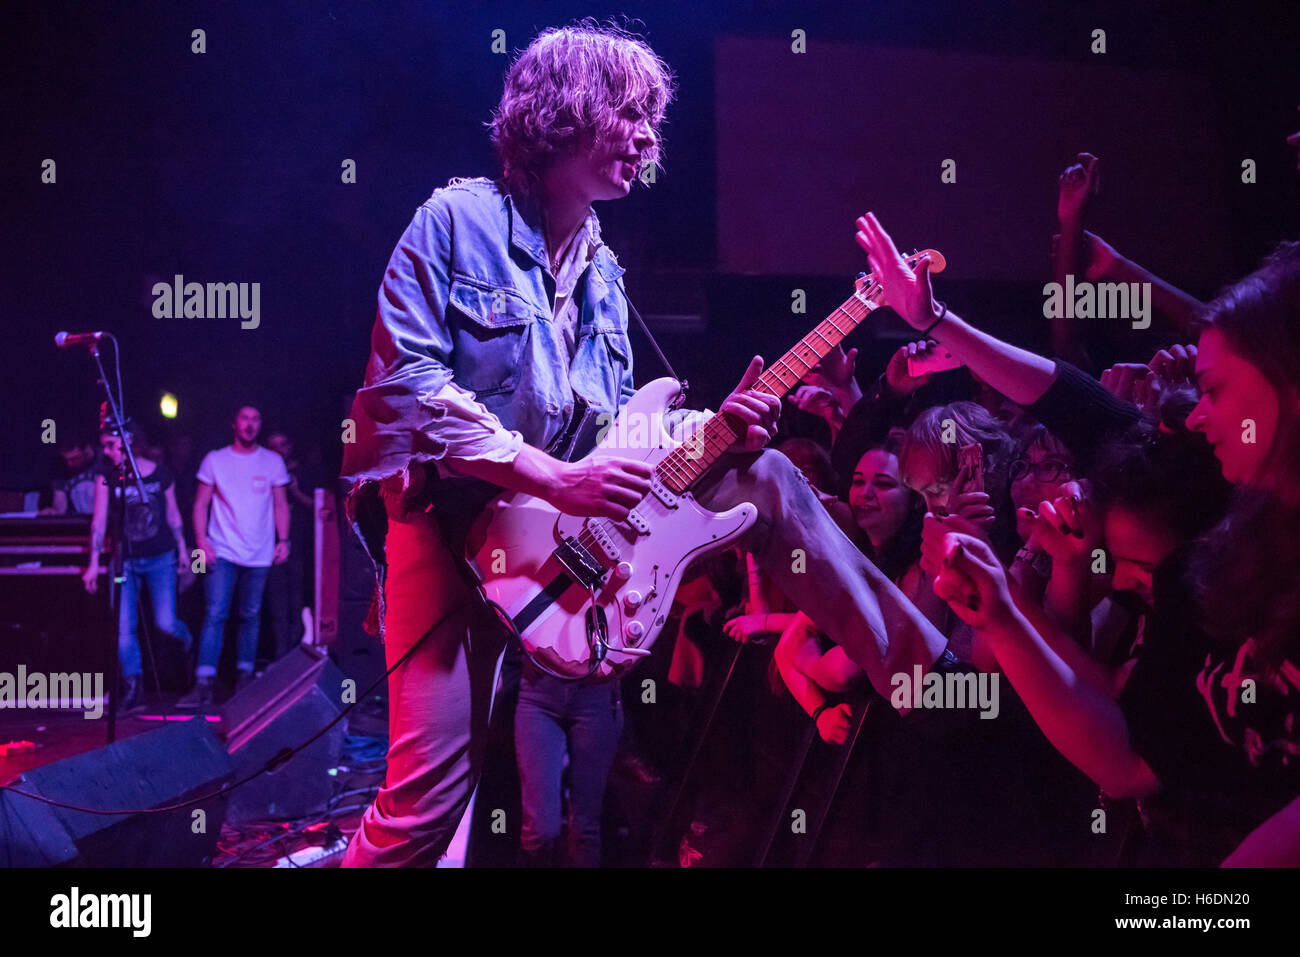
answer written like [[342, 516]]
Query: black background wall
[[225, 166]]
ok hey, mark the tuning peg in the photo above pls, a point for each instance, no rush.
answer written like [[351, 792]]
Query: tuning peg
[[862, 275]]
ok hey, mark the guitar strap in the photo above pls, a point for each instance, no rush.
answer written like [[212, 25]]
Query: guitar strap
[[567, 445], [681, 398], [580, 433]]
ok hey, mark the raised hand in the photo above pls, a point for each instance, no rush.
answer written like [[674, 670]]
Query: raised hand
[[970, 578], [896, 374], [974, 511], [1079, 181], [835, 374], [907, 292], [1125, 380], [756, 411], [816, 401], [1175, 365], [1143, 385], [1068, 527]]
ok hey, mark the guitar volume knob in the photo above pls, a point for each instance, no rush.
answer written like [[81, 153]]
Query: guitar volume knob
[[634, 629], [632, 600], [623, 570]]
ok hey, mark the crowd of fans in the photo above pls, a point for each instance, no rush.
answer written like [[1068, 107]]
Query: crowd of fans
[[1119, 546]]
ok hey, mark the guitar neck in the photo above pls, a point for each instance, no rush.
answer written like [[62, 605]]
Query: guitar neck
[[682, 467]]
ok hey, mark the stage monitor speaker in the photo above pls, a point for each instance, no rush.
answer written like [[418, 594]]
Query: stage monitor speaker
[[175, 763], [296, 697]]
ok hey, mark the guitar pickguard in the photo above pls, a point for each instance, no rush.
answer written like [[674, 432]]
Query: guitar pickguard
[[642, 559]]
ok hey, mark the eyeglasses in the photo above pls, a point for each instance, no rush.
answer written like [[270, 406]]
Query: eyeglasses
[[1045, 471]]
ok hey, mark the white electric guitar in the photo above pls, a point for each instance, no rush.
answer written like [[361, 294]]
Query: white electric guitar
[[589, 596]]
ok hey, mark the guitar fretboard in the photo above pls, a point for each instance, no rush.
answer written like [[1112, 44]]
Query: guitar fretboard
[[682, 467]]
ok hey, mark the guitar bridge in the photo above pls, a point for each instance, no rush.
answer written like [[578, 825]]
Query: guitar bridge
[[579, 563]]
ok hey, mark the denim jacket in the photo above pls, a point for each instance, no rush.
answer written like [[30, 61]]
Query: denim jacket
[[467, 296]]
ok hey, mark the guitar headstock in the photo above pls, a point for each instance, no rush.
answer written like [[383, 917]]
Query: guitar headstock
[[868, 289]]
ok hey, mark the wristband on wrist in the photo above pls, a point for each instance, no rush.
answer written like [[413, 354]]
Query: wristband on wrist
[[818, 712], [943, 311], [1039, 561]]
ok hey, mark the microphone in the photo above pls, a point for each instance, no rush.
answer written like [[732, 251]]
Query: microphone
[[66, 340]]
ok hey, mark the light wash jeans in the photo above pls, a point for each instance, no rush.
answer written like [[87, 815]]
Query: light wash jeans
[[246, 585], [158, 574]]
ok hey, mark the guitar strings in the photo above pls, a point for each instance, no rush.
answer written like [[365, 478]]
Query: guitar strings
[[672, 471]]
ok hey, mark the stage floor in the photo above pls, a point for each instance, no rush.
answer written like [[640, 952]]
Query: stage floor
[[61, 734]]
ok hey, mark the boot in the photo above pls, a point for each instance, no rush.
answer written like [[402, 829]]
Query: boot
[[200, 696], [131, 702]]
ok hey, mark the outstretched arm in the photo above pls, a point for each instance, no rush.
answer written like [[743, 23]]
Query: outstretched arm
[[789, 650], [1077, 184], [1020, 375], [1082, 722], [1104, 264], [1078, 410], [795, 651]]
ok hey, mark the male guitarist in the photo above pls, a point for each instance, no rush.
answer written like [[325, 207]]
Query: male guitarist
[[500, 341]]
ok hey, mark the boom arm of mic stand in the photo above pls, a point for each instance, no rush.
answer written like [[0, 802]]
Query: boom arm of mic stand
[[118, 420]]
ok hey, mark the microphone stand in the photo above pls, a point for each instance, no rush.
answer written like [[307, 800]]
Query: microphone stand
[[116, 567]]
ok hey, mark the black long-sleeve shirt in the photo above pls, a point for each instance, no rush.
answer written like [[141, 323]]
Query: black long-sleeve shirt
[[1082, 413]]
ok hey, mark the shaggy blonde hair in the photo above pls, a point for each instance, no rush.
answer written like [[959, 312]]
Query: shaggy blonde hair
[[569, 90]]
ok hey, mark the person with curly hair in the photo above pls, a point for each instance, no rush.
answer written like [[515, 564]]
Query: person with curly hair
[[501, 342]]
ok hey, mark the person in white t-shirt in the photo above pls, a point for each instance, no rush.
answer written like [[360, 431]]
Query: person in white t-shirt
[[241, 525]]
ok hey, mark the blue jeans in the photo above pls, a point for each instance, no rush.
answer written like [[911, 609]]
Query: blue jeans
[[553, 717], [246, 584], [158, 573]]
